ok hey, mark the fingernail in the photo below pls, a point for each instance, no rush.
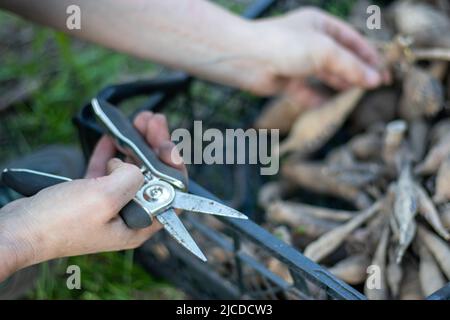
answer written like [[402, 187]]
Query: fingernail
[[373, 78]]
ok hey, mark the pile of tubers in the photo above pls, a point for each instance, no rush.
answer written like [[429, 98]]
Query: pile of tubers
[[376, 203]]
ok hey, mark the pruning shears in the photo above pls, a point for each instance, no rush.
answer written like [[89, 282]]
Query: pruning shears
[[164, 188]]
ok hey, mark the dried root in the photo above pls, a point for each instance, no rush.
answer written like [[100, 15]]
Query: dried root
[[296, 209], [272, 192], [440, 54], [431, 278], [352, 270], [356, 174], [424, 23], [326, 244], [389, 158], [435, 157], [379, 106], [366, 146], [429, 211], [439, 131], [418, 134], [410, 287], [376, 287], [281, 114], [442, 194], [316, 126], [393, 139], [280, 269], [438, 248], [405, 209], [423, 95], [302, 222], [314, 177], [446, 218], [394, 274]]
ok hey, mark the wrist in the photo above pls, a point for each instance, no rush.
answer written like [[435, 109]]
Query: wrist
[[16, 249], [8, 259], [247, 63], [266, 50], [264, 45]]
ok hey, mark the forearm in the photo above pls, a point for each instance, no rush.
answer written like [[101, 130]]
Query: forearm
[[192, 35], [16, 251], [8, 259]]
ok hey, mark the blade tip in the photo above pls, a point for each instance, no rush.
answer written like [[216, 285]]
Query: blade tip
[[241, 216], [201, 256]]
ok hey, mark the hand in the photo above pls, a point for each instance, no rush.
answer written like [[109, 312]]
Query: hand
[[310, 43], [266, 56], [81, 216]]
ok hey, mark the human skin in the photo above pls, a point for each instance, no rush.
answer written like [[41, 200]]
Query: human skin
[[80, 217], [270, 56], [265, 56]]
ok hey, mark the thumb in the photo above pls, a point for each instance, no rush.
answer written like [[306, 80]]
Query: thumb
[[121, 183]]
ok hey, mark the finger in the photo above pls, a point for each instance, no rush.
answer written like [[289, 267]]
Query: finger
[[350, 38], [135, 237], [338, 61], [334, 81], [157, 131], [169, 154], [143, 234], [129, 160], [104, 150], [120, 185], [153, 127], [141, 120], [132, 238]]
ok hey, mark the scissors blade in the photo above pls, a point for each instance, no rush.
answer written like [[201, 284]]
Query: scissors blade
[[176, 229], [190, 202]]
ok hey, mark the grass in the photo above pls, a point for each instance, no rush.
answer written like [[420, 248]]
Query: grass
[[103, 276], [70, 75], [69, 72], [339, 8]]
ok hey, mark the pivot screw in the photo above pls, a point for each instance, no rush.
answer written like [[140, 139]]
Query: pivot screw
[[154, 193]]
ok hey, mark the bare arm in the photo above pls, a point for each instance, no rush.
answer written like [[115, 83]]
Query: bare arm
[[192, 35], [8, 257], [268, 56], [208, 41], [81, 216]]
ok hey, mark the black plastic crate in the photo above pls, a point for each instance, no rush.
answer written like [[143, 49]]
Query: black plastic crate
[[233, 270]]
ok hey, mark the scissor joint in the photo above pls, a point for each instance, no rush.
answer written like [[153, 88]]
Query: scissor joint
[[155, 196]]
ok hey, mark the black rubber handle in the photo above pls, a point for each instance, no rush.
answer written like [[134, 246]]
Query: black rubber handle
[[128, 136], [134, 216], [29, 182]]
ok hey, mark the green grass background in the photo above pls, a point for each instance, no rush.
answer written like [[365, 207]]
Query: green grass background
[[70, 72]]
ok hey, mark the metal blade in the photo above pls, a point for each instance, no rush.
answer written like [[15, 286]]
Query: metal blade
[[190, 202], [176, 229]]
